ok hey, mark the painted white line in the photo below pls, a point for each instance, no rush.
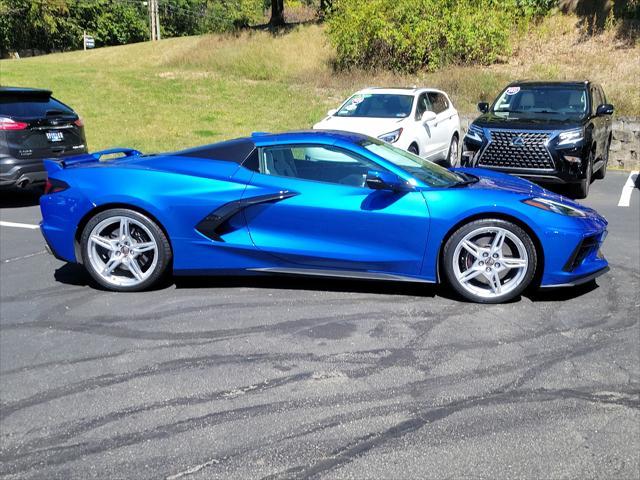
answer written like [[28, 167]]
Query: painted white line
[[627, 190], [24, 256], [19, 225]]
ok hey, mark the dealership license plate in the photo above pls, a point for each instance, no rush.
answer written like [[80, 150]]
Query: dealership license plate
[[55, 136]]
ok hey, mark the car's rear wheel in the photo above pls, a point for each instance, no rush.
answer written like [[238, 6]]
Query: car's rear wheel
[[124, 250], [489, 260]]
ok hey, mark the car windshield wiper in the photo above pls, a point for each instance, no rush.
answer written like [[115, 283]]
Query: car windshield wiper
[[467, 179]]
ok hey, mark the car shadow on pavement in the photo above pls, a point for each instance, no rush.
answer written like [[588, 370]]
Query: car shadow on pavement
[[16, 198], [73, 274]]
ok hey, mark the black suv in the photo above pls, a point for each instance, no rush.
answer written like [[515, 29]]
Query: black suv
[[34, 126], [548, 132]]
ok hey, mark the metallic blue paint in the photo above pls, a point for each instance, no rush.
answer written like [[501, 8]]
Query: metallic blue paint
[[326, 227]]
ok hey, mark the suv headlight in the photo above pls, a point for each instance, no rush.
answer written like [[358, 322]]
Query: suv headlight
[[570, 136], [475, 133], [391, 137], [553, 206]]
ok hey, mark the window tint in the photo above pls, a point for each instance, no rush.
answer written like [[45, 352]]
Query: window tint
[[378, 105], [438, 102], [25, 106], [317, 163]]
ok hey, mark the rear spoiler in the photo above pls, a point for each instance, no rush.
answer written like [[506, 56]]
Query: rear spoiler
[[54, 165]]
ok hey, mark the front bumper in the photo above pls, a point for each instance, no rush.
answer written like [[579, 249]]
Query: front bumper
[[564, 171], [573, 257]]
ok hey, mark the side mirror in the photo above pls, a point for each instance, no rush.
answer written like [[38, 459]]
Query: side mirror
[[379, 180], [604, 109], [332, 112], [483, 107], [428, 116]]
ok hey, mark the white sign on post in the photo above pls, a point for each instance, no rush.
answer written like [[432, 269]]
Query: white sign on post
[[88, 41]]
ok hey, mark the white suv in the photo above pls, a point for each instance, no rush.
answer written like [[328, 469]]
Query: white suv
[[420, 120]]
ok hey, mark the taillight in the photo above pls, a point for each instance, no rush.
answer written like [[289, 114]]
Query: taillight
[[79, 122], [54, 186], [10, 124]]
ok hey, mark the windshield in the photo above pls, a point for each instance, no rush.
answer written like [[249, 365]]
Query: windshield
[[540, 101], [377, 105], [425, 171]]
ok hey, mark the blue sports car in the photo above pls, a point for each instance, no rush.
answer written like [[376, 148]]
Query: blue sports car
[[324, 203]]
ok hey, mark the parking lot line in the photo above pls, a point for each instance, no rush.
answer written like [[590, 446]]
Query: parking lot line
[[19, 225], [627, 190]]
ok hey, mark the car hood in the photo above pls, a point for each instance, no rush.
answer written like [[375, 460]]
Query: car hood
[[491, 180], [523, 121], [374, 127]]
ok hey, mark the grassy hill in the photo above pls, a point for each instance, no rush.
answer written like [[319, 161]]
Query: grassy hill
[[188, 91]]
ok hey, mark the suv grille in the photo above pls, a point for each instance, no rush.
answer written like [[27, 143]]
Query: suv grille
[[506, 150]]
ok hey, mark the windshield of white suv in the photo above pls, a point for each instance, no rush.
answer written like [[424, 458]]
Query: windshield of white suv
[[423, 170], [377, 105], [543, 100]]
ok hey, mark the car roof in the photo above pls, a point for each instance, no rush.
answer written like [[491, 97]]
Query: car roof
[[397, 90], [25, 91], [553, 83]]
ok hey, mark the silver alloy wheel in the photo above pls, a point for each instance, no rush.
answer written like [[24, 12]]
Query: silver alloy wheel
[[453, 152], [122, 251], [490, 262]]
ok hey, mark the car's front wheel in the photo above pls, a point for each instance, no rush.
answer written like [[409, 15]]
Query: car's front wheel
[[489, 260], [124, 250], [452, 154]]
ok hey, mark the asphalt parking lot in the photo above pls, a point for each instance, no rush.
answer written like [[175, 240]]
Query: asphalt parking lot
[[281, 377]]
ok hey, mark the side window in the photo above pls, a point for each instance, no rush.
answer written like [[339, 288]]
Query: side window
[[438, 102], [423, 106], [316, 163]]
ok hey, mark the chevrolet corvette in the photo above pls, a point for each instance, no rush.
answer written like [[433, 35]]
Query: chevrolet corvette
[[326, 203]]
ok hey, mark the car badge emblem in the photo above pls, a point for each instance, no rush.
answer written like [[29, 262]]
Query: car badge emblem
[[517, 142]]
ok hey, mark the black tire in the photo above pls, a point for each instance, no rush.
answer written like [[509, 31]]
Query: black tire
[[460, 234], [453, 147], [163, 251], [413, 148], [602, 171], [581, 189]]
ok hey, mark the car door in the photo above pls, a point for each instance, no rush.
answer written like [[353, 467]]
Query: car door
[[327, 218], [440, 126]]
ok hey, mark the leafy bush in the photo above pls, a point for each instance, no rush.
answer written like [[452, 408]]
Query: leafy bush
[[406, 35]]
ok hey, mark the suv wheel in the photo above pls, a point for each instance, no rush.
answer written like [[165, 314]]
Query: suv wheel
[[581, 190], [413, 148], [452, 155], [602, 171]]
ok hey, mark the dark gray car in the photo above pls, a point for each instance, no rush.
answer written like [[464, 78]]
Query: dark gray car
[[34, 126]]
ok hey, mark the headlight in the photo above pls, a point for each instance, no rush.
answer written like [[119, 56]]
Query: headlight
[[552, 206], [570, 136], [391, 137], [475, 132]]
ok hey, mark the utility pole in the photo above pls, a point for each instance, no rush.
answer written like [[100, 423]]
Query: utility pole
[[155, 2], [152, 20]]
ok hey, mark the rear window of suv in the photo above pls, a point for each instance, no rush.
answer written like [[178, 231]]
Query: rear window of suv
[[31, 106]]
